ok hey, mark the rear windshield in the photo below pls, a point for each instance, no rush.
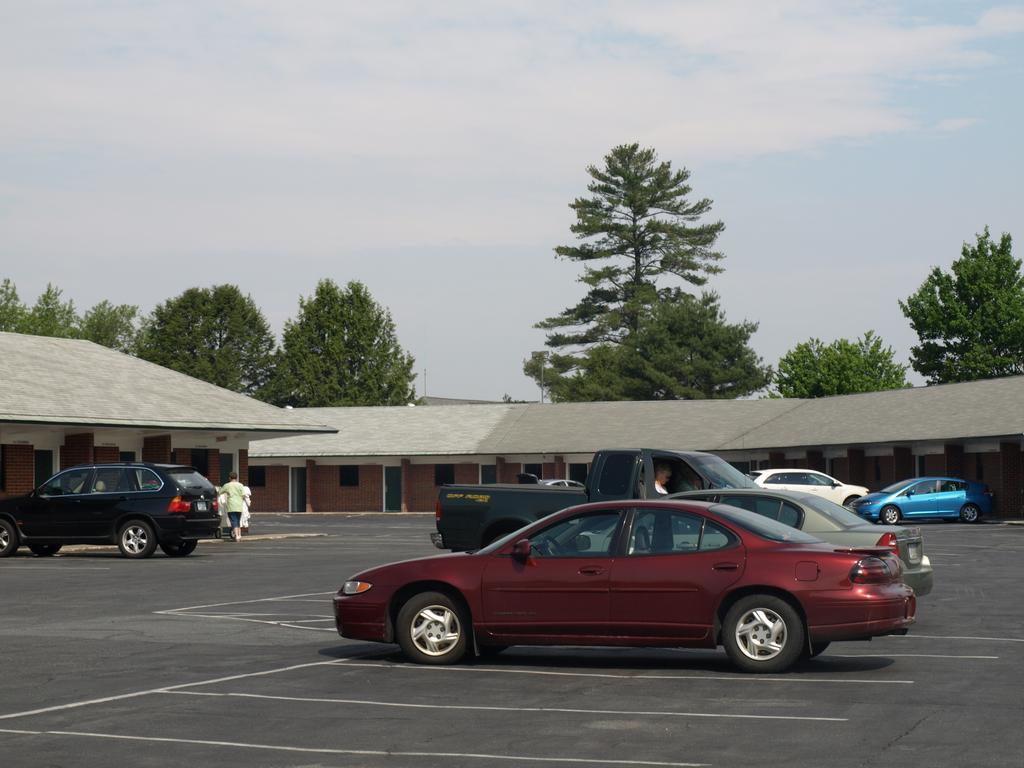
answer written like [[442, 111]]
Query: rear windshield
[[762, 526], [189, 480], [841, 516]]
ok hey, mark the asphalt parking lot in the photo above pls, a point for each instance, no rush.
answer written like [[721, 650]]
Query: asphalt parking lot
[[229, 657]]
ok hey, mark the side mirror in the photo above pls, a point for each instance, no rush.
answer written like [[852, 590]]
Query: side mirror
[[521, 550], [910, 492], [836, 483]]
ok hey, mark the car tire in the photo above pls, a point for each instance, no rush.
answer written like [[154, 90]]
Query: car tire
[[970, 513], [432, 629], [136, 539], [44, 550], [8, 538], [890, 515], [849, 500], [763, 633], [181, 549]]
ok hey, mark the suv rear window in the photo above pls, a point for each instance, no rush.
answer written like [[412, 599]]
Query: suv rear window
[[190, 480]]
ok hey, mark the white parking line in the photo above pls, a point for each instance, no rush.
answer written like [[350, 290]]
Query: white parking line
[[732, 679], [904, 656], [472, 708], [363, 752], [957, 637], [244, 602]]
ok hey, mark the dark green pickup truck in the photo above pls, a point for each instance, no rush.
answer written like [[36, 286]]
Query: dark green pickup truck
[[471, 516]]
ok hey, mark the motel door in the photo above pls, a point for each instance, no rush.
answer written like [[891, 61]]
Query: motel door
[[392, 489], [297, 495]]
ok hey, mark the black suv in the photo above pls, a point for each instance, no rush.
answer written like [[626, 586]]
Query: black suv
[[138, 506]]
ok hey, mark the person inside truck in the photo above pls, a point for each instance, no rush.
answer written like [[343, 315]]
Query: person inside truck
[[662, 476]]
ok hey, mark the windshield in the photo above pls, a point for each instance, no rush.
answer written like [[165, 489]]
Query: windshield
[[762, 526], [190, 480], [895, 487], [720, 473]]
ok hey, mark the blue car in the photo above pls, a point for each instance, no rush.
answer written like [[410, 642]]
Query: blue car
[[946, 497]]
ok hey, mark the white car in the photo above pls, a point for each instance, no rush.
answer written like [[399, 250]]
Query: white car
[[809, 481]]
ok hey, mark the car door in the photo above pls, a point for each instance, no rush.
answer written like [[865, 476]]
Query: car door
[[669, 580], [107, 491], [918, 499], [55, 508], [561, 590], [949, 497]]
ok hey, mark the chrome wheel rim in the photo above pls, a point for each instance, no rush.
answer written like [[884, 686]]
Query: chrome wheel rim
[[435, 630], [761, 634], [135, 539], [970, 513], [890, 516], [5, 539]]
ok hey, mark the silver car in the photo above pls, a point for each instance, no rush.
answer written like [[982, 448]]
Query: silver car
[[832, 523]]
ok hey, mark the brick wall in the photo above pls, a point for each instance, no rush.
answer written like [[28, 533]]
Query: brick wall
[[421, 493], [816, 460], [903, 463], [507, 471], [19, 470], [467, 474], [106, 454], [935, 464], [1008, 494], [157, 449], [954, 460], [213, 465], [77, 449], [243, 470], [855, 466], [182, 456], [274, 497], [328, 495]]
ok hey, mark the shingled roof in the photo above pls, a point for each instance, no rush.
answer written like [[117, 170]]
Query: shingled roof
[[46, 380], [973, 410]]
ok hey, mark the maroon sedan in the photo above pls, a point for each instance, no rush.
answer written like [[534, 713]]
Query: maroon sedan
[[635, 573]]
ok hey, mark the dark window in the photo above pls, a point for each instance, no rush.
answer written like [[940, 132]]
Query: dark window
[[979, 469], [878, 470], [201, 461], [227, 466], [578, 472], [111, 480], [616, 474], [779, 478], [444, 474], [127, 456], [488, 474], [534, 469], [742, 466], [589, 535], [789, 515], [257, 477], [44, 466], [1, 467], [922, 469], [348, 475]]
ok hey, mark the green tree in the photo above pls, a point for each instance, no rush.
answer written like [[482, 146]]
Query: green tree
[[683, 349], [215, 334], [970, 322], [816, 369], [112, 326], [637, 226], [341, 350], [50, 316], [12, 311]]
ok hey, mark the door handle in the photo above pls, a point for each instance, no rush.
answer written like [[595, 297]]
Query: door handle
[[726, 566], [591, 570]]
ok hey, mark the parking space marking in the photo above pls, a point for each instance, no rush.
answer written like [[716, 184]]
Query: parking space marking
[[288, 623], [365, 752], [956, 637], [904, 656], [246, 602], [476, 708], [731, 679]]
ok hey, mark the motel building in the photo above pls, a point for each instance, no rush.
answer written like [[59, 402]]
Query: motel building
[[396, 458], [66, 401]]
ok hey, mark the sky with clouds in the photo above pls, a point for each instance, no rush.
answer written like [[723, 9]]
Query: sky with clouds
[[430, 150]]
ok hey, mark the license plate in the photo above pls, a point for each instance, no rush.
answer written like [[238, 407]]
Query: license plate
[[200, 506]]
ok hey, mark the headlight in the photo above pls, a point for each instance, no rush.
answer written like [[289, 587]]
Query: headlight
[[355, 587]]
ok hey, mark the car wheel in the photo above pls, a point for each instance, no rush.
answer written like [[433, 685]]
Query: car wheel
[[970, 513], [44, 550], [8, 538], [763, 633], [181, 549], [889, 515], [432, 629], [815, 649], [136, 539], [849, 500]]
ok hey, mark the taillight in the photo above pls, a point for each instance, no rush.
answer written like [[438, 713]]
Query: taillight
[[178, 506], [215, 506], [889, 540], [874, 570], [437, 510]]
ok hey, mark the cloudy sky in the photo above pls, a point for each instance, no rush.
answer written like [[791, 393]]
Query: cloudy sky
[[430, 150]]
